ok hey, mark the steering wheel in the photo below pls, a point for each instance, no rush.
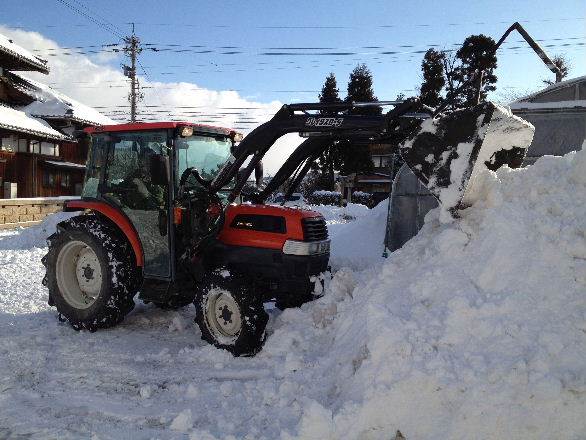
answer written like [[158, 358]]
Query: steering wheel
[[192, 171]]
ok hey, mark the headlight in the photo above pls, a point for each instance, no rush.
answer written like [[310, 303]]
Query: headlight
[[294, 247], [186, 131]]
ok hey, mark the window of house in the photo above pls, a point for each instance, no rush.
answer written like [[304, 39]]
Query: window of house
[[48, 179], [48, 148], [65, 180], [22, 145], [35, 147], [9, 143]]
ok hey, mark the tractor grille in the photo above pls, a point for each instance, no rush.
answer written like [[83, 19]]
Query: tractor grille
[[314, 229]]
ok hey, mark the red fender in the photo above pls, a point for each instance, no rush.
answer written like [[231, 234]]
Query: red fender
[[118, 218]]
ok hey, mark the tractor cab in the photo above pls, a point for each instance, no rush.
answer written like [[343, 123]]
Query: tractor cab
[[138, 169]]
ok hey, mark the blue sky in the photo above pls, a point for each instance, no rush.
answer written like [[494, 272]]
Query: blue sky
[[251, 28]]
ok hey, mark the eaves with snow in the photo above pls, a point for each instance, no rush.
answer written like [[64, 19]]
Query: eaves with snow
[[566, 95], [16, 120], [15, 57], [43, 103], [53, 105]]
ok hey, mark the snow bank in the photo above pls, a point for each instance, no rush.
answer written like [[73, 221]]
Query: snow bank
[[474, 329], [36, 236], [357, 234]]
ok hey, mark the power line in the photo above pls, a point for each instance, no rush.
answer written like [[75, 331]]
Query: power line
[[369, 26], [100, 17], [342, 52], [94, 20]]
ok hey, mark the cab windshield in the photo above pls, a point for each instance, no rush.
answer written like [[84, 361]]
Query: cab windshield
[[205, 153]]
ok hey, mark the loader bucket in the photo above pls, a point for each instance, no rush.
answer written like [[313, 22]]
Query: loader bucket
[[447, 152]]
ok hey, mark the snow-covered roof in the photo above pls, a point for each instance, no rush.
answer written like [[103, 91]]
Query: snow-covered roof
[[51, 104], [565, 94], [16, 120], [576, 103], [15, 57]]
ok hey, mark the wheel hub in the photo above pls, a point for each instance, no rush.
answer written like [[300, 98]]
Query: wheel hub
[[226, 315], [88, 273], [223, 315], [79, 274], [89, 276]]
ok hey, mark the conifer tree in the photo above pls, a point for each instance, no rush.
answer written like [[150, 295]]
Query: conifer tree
[[355, 157], [434, 80], [476, 54], [330, 159]]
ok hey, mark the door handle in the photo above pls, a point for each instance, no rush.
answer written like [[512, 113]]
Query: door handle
[[163, 222]]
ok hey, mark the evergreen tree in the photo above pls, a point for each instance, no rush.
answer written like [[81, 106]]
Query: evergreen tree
[[360, 89], [329, 91], [330, 159], [355, 157], [434, 79], [476, 54]]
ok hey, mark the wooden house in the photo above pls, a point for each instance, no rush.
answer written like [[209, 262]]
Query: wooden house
[[37, 150]]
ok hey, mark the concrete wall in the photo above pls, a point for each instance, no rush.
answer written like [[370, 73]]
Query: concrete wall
[[25, 212]]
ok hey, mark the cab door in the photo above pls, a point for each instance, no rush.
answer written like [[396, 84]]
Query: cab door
[[136, 182]]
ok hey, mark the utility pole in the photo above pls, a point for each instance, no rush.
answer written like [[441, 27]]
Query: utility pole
[[132, 49]]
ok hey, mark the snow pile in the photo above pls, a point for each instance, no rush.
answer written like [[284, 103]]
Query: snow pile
[[31, 237], [475, 329], [357, 234], [334, 214], [323, 192]]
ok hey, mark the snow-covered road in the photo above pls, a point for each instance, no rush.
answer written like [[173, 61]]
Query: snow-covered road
[[474, 329]]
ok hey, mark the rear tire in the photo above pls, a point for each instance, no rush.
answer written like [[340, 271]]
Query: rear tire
[[230, 316], [91, 273]]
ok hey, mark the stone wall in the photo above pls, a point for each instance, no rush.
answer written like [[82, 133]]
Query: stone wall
[[24, 212]]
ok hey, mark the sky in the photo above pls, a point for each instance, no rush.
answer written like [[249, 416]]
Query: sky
[[221, 55]]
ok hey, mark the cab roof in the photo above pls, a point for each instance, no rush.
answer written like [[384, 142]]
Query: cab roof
[[144, 126]]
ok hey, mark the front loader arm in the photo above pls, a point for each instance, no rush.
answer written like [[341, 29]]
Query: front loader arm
[[309, 148], [338, 124]]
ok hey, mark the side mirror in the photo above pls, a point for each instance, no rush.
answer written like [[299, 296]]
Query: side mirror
[[159, 170]]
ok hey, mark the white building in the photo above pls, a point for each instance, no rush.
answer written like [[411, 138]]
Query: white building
[[558, 113]]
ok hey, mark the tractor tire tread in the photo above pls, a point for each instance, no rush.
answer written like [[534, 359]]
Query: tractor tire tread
[[115, 300]]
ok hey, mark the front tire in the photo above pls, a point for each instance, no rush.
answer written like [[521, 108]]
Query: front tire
[[91, 273], [230, 316]]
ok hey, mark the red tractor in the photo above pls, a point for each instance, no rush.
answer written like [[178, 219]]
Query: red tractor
[[160, 216]]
